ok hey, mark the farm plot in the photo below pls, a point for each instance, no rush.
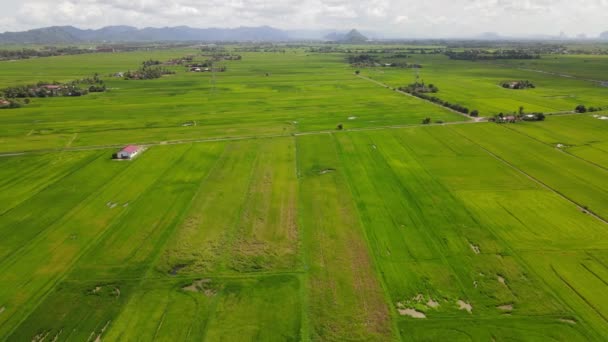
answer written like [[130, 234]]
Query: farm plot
[[35, 174], [575, 179], [476, 85], [266, 94], [346, 301], [50, 244], [245, 220], [581, 135], [444, 248]]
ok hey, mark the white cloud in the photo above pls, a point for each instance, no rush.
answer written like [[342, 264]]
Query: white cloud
[[407, 18]]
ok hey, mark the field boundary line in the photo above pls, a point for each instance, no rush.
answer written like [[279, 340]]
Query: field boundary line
[[220, 139], [580, 207]]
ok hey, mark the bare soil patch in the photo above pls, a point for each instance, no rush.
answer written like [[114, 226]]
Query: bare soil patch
[[411, 312], [432, 304], [201, 286], [322, 172], [475, 248], [506, 307], [462, 305], [567, 320]]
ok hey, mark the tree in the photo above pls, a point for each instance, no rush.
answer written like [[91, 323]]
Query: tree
[[357, 72], [580, 109], [339, 127], [521, 110], [426, 121], [474, 113]]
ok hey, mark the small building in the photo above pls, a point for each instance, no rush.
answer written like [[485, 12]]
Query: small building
[[128, 152], [4, 102], [52, 87]]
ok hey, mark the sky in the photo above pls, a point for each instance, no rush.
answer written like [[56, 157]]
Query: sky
[[390, 18]]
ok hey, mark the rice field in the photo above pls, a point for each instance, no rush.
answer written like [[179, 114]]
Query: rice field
[[264, 222]]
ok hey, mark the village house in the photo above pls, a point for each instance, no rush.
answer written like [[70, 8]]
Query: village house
[[4, 102], [128, 152], [509, 119]]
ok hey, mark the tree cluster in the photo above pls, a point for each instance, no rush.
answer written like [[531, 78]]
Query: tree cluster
[[147, 73], [479, 54], [522, 84], [584, 109], [419, 87], [47, 52], [53, 89], [362, 59], [150, 63]]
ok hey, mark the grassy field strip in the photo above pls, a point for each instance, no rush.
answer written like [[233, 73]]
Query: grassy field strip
[[45, 259], [126, 250], [208, 231], [267, 234], [567, 176], [261, 308], [35, 174], [345, 298]]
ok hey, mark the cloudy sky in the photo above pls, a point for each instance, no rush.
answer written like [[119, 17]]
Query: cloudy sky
[[393, 18]]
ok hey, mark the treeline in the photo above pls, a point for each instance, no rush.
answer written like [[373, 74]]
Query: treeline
[[367, 60], [420, 90], [478, 54], [47, 52], [52, 89], [584, 109]]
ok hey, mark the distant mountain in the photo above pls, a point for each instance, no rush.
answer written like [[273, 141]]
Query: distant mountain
[[73, 35], [351, 37], [489, 36], [604, 35]]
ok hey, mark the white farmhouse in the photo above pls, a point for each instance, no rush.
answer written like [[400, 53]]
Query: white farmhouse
[[128, 152]]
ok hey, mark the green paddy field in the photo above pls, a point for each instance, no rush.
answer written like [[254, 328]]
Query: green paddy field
[[261, 221]]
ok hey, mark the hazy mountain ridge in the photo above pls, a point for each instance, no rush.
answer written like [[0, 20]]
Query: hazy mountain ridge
[[73, 35]]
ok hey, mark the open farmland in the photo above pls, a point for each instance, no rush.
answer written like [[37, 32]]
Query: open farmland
[[252, 216]]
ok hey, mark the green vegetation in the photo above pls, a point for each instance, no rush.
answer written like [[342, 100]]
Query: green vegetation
[[291, 198]]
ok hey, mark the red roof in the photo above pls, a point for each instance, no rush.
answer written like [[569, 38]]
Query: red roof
[[52, 86], [130, 149]]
